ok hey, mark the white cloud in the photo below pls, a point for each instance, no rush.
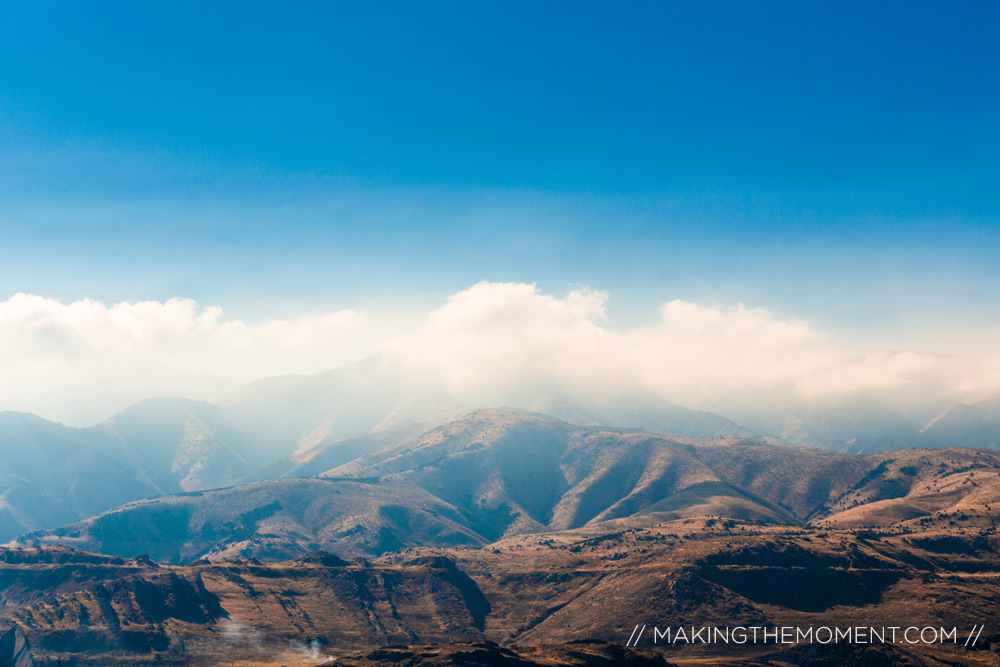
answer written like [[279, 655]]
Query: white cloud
[[75, 361], [81, 361], [493, 339], [494, 334]]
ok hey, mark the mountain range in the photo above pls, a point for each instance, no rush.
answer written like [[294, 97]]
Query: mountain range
[[306, 517], [277, 427], [303, 426], [496, 474]]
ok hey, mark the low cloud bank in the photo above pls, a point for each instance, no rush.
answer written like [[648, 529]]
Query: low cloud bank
[[82, 361], [79, 362], [695, 355]]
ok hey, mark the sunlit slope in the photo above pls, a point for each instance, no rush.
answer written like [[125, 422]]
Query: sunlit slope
[[513, 472]]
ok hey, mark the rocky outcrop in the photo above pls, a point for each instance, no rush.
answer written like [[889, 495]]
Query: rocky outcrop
[[14, 649]]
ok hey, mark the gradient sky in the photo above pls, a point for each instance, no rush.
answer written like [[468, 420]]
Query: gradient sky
[[836, 162]]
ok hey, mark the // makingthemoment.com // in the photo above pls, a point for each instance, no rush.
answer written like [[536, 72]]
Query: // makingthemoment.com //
[[790, 634]]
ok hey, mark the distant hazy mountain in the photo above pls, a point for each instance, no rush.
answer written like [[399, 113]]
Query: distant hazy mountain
[[304, 425], [634, 410], [875, 428], [326, 454], [301, 425], [965, 425], [369, 395], [282, 414], [176, 444], [50, 473], [290, 426], [315, 456]]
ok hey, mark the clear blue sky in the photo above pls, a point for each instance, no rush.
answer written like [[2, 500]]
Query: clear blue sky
[[834, 161]]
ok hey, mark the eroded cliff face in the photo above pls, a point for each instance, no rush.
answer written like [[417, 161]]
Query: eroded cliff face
[[593, 584], [14, 648], [86, 609]]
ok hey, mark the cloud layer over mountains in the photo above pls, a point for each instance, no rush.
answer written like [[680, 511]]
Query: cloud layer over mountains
[[80, 362]]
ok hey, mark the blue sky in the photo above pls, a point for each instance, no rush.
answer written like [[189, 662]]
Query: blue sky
[[836, 162]]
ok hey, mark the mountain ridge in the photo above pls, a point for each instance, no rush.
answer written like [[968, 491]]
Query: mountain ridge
[[496, 474]]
